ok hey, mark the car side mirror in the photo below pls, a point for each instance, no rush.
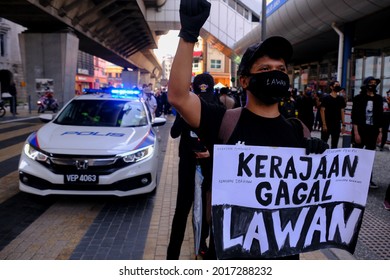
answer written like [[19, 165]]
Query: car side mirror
[[158, 121], [46, 117]]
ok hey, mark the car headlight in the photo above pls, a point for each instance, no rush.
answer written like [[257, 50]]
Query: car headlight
[[138, 155], [34, 154]]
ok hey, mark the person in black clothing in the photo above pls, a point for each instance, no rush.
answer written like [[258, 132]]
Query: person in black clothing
[[385, 128], [164, 101], [386, 202], [188, 147], [305, 105], [13, 100], [317, 118], [7, 83], [367, 117], [159, 109], [260, 122], [332, 115], [239, 96], [287, 107], [386, 120], [225, 98], [203, 86], [192, 152]]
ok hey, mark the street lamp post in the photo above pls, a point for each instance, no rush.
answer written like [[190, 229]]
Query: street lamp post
[[263, 20]]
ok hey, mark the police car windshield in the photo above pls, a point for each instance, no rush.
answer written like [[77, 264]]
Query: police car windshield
[[109, 113]]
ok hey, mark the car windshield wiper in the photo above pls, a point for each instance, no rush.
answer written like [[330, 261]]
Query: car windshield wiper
[[134, 125]]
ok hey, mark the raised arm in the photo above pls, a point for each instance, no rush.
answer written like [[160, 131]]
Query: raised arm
[[193, 14], [179, 95]]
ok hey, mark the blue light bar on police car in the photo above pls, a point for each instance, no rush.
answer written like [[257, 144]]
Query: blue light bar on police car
[[91, 90], [125, 91], [114, 92]]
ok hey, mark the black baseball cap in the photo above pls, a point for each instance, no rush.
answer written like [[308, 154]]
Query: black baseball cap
[[371, 78], [203, 83], [274, 47]]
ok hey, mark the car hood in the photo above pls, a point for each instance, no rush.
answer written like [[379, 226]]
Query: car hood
[[91, 140]]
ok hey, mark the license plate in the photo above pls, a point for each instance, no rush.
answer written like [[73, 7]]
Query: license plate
[[81, 179]]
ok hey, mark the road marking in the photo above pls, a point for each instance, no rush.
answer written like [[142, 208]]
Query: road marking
[[9, 186], [18, 132], [55, 234]]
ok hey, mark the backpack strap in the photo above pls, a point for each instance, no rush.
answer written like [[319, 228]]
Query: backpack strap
[[229, 122]]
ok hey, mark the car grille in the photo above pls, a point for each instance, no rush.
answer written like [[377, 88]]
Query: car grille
[[132, 183], [61, 164]]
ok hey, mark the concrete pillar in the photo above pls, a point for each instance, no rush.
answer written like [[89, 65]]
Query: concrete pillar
[[144, 79], [349, 32], [50, 56], [153, 81], [130, 79]]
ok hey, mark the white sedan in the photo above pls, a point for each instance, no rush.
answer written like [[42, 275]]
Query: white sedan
[[98, 144]]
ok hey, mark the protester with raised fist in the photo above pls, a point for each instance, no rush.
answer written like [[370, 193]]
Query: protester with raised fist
[[260, 122]]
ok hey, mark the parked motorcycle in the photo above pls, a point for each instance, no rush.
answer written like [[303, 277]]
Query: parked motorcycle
[[47, 102]]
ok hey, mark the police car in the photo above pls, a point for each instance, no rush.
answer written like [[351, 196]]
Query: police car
[[100, 143]]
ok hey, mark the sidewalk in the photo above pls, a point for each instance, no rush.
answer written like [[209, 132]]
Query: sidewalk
[[22, 113]]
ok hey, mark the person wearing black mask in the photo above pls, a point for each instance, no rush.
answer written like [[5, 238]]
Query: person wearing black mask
[[263, 75], [367, 117], [332, 115]]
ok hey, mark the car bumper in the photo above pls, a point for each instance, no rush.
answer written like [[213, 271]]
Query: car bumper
[[135, 179]]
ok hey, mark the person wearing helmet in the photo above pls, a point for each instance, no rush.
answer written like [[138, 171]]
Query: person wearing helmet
[[367, 117]]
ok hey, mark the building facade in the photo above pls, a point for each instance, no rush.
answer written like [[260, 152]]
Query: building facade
[[10, 57], [100, 66], [207, 58], [166, 66], [114, 75], [366, 60], [218, 65], [85, 72]]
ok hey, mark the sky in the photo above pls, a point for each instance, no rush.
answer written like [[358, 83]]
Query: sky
[[167, 44]]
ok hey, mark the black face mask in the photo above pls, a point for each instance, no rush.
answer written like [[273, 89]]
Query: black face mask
[[337, 88], [269, 87], [371, 88]]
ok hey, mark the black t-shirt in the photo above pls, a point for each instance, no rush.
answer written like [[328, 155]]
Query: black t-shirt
[[305, 105], [367, 110], [189, 141], [259, 131], [333, 106], [251, 129]]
